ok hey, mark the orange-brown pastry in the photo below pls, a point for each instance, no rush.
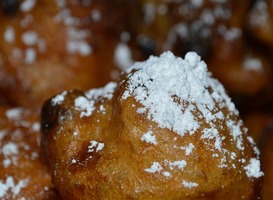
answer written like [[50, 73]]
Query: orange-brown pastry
[[48, 46], [166, 130], [260, 22], [245, 72], [23, 175]]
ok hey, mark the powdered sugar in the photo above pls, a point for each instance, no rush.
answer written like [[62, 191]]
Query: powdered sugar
[[27, 5], [123, 56], [9, 34], [189, 184], [95, 146], [105, 92], [168, 78], [179, 95], [86, 104], [14, 113], [58, 99], [9, 184], [253, 169], [179, 164], [30, 37], [156, 167], [149, 138]]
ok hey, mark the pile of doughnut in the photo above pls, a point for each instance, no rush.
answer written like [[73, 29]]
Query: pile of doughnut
[[136, 99]]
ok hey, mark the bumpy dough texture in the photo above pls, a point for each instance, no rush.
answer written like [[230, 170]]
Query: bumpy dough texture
[[109, 144], [23, 172]]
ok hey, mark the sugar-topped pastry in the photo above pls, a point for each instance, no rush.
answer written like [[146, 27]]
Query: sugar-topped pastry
[[50, 46], [166, 130], [23, 172]]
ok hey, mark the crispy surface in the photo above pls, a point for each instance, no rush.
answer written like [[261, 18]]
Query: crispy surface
[[119, 164], [48, 48], [23, 173]]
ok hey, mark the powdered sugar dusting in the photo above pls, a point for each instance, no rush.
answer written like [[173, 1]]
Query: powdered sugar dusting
[[9, 34], [253, 169], [149, 138], [189, 184], [58, 99], [180, 95], [14, 113], [105, 92], [9, 184], [27, 5], [95, 146], [156, 167], [86, 104], [166, 80]]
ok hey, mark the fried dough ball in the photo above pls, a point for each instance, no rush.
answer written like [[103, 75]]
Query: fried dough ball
[[183, 26], [48, 46], [23, 174], [245, 72], [260, 22], [166, 130]]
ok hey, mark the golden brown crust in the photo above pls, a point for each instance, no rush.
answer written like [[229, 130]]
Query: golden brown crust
[[23, 172], [104, 154]]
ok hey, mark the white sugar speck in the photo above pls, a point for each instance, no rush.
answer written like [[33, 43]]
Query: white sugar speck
[[27, 5], [96, 15], [123, 56], [180, 164], [156, 167], [85, 106], [58, 99], [149, 138], [30, 55], [9, 184], [253, 169], [253, 64], [9, 34], [189, 184], [95, 146], [14, 113]]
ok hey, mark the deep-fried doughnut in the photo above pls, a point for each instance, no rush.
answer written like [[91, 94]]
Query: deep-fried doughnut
[[48, 46], [260, 22], [166, 130], [23, 173], [182, 26], [243, 69]]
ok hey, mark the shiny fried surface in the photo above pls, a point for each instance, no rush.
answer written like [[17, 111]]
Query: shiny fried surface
[[103, 151]]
